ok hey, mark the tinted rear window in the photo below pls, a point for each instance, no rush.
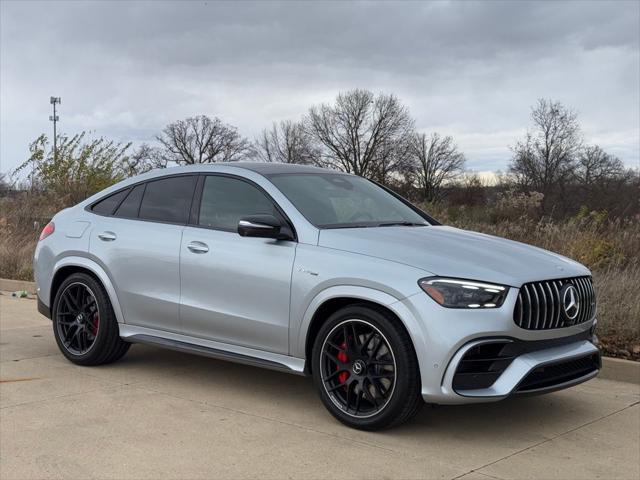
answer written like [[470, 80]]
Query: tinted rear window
[[129, 207], [106, 206], [168, 200]]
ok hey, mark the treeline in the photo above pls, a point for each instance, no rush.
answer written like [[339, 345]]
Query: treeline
[[365, 134]]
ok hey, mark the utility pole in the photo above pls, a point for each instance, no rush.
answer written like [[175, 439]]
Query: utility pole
[[54, 118]]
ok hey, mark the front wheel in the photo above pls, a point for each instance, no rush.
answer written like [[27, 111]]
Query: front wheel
[[365, 369], [84, 324]]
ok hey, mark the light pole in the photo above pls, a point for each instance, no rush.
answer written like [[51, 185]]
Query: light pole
[[54, 118]]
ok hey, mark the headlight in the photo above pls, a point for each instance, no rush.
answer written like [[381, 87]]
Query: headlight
[[457, 293]]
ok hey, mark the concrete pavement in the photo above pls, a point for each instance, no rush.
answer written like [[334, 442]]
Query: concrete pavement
[[162, 414]]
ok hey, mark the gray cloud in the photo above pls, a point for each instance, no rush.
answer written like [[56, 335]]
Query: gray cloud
[[471, 69]]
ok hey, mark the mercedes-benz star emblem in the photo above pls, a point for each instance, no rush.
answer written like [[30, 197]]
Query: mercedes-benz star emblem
[[358, 367], [570, 302]]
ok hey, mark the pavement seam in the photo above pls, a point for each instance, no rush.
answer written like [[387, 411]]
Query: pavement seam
[[262, 417], [542, 442], [489, 476], [16, 360], [480, 473], [24, 327], [58, 397]]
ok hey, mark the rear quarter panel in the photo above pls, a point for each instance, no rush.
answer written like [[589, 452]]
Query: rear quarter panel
[[70, 238]]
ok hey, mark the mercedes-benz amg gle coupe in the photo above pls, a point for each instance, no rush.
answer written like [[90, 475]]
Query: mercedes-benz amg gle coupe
[[320, 273]]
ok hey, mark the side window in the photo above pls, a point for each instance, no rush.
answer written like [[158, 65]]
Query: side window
[[130, 206], [226, 200], [106, 206], [168, 199]]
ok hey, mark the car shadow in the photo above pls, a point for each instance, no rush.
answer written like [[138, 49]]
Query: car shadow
[[295, 398]]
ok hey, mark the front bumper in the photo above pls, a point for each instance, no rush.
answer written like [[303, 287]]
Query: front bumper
[[544, 360], [539, 368]]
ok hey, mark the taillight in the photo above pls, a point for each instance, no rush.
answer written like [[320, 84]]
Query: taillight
[[48, 229]]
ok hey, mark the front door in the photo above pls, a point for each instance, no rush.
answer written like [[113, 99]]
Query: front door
[[235, 289]]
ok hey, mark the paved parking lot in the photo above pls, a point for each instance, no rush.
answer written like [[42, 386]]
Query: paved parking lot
[[161, 414]]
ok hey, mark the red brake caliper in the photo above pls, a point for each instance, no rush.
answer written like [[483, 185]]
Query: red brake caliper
[[342, 356], [96, 323]]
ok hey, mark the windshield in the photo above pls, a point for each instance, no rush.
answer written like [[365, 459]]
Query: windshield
[[334, 200]]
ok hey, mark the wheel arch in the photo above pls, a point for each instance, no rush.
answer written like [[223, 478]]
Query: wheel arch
[[335, 298], [70, 265]]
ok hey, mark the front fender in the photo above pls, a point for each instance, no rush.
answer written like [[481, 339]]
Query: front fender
[[98, 271], [411, 323]]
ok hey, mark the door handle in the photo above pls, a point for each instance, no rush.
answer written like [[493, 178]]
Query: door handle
[[198, 247], [107, 236]]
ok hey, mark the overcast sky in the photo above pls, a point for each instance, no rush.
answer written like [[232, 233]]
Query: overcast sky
[[472, 70]]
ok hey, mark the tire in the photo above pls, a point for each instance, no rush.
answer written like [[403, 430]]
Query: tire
[[365, 369], [84, 324]]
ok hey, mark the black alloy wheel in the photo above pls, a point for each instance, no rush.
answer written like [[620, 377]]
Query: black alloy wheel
[[358, 368], [84, 323], [365, 368], [78, 318]]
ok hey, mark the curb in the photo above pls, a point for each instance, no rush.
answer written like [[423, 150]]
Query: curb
[[612, 368], [14, 285], [620, 370]]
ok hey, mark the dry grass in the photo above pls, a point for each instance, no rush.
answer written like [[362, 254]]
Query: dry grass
[[16, 255], [619, 311], [21, 219]]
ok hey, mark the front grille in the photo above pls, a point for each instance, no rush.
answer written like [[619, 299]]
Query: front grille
[[548, 376], [539, 304]]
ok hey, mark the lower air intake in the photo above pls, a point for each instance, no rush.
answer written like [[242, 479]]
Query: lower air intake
[[548, 376]]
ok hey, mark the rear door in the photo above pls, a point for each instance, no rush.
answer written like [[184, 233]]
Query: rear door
[[235, 289], [138, 242]]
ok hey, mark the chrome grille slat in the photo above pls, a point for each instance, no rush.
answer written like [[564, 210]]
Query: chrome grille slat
[[536, 305], [557, 286], [539, 304], [576, 283], [552, 302], [544, 305], [592, 311], [528, 306], [587, 296], [582, 317]]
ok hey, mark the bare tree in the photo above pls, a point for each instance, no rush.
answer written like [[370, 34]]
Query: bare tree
[[143, 159], [361, 133], [286, 142], [393, 164], [201, 140], [596, 166], [547, 156], [436, 161]]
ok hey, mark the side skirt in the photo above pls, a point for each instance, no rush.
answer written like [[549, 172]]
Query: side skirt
[[208, 348]]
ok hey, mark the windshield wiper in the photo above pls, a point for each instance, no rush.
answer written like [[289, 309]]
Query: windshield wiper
[[401, 224]]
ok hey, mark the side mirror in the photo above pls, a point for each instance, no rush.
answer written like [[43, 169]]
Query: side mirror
[[263, 226]]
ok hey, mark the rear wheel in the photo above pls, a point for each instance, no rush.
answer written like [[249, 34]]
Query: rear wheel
[[84, 324], [365, 369]]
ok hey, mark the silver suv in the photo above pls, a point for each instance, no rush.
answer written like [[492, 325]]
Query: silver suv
[[314, 272]]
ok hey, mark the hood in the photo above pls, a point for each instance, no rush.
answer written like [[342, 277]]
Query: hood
[[448, 251]]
